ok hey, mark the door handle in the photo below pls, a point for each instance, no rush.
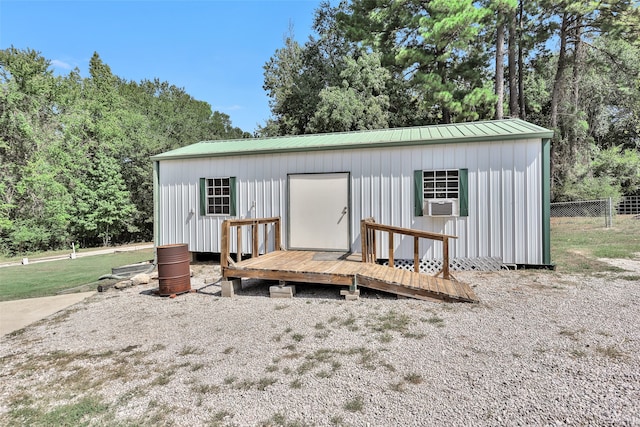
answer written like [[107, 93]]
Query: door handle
[[342, 214]]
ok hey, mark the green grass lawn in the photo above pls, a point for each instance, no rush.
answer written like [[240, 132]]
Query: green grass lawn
[[576, 243], [50, 278]]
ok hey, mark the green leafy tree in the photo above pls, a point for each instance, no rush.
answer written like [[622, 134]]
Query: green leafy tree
[[293, 93], [433, 52], [74, 151], [43, 216], [103, 206], [611, 172], [359, 102], [28, 126], [221, 127]]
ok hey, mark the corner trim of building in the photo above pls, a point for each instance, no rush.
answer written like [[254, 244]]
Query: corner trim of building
[[546, 201]]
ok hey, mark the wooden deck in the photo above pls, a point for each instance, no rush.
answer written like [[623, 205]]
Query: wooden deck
[[339, 269]]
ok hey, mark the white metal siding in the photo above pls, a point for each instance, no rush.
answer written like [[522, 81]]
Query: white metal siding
[[505, 200]]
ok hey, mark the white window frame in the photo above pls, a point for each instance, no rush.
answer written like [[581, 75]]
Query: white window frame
[[218, 196], [445, 184]]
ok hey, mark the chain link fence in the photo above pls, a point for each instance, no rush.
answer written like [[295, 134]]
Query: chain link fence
[[585, 209]]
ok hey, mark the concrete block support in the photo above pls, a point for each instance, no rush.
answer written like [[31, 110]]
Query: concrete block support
[[229, 287], [351, 295], [282, 291]]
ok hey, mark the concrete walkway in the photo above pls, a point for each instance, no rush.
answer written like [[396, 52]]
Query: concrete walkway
[[17, 314], [84, 253]]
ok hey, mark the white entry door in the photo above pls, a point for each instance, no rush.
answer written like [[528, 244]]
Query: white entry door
[[319, 211]]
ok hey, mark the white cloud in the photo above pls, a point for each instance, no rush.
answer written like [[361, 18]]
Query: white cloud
[[234, 107], [60, 64]]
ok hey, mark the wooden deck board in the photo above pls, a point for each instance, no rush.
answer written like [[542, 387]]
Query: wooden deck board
[[433, 284], [426, 283], [450, 290], [306, 266]]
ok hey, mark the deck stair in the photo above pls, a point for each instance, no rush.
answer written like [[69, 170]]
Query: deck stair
[[353, 270]]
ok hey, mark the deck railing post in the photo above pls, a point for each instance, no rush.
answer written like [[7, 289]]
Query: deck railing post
[[390, 248], [416, 254], [224, 246], [276, 244], [238, 243], [374, 246], [265, 238], [445, 257], [363, 240], [255, 231]]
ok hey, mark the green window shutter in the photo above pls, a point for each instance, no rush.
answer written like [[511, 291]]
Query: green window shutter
[[233, 198], [418, 192], [203, 196], [463, 181]]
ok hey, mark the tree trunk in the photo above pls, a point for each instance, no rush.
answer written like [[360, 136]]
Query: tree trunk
[[558, 87], [499, 68], [523, 112], [558, 83], [513, 72], [574, 139], [446, 111]]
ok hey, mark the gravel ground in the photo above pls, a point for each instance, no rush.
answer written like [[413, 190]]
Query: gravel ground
[[541, 348]]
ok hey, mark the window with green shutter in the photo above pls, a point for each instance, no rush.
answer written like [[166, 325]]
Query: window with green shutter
[[441, 192], [218, 196]]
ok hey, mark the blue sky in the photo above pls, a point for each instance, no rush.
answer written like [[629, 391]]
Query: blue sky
[[214, 49]]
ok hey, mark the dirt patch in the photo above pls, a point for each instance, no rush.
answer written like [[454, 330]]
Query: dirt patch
[[632, 265]]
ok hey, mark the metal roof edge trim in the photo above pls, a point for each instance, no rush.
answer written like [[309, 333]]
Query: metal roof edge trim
[[360, 146]]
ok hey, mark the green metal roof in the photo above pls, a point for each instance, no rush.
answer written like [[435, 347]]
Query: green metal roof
[[495, 130]]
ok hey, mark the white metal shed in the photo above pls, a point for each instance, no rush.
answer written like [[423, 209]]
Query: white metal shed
[[485, 182]]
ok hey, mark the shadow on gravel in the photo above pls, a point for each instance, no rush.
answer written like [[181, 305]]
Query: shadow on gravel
[[260, 288], [212, 289]]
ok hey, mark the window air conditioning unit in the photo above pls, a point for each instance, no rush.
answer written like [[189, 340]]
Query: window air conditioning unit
[[442, 207]]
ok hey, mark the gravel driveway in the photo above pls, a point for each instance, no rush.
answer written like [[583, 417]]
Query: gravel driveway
[[541, 348]]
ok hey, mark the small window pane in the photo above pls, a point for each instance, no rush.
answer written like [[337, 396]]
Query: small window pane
[[218, 196], [440, 184]]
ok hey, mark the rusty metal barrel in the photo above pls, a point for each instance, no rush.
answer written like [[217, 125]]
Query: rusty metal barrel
[[174, 273]]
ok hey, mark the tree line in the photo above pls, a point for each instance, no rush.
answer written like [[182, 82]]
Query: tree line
[[74, 151], [570, 66]]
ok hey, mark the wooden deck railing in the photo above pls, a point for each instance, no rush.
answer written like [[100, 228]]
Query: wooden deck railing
[[254, 223], [368, 236]]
